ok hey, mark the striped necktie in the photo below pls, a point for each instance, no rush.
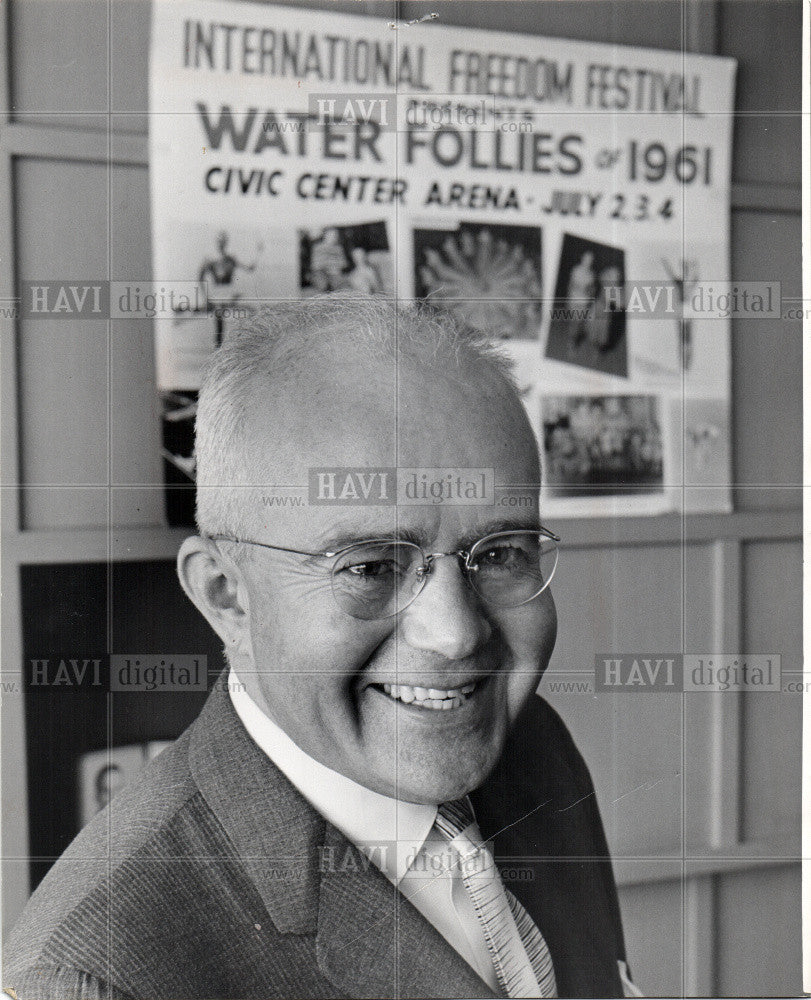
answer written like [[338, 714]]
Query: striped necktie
[[517, 948]]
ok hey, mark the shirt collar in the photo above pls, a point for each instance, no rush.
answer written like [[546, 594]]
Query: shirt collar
[[366, 818]]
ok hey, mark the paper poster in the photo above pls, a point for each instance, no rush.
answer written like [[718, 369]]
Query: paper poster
[[571, 199]]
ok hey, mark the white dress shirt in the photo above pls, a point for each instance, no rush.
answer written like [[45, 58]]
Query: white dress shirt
[[393, 834]]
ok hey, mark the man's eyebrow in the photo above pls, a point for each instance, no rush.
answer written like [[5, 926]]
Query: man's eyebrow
[[332, 543]]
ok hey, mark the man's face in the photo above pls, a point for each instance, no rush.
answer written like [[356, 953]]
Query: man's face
[[320, 672]]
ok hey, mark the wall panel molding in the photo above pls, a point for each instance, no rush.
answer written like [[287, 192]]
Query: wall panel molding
[[743, 858], [42, 546], [701, 26], [725, 747], [699, 914], [767, 197]]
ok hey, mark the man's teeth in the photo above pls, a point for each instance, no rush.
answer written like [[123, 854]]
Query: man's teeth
[[436, 698]]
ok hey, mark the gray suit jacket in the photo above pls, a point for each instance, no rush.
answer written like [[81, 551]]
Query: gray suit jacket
[[206, 878]]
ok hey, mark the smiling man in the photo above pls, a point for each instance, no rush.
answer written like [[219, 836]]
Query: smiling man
[[336, 821]]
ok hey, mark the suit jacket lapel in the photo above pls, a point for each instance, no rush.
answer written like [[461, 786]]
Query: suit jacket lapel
[[370, 940], [274, 830], [545, 820]]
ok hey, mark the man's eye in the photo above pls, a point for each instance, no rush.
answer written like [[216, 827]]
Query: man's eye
[[496, 557], [506, 556], [372, 570]]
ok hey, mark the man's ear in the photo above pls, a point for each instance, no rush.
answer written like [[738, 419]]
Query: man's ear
[[216, 586]]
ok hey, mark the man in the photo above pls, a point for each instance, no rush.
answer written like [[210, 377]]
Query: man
[[328, 826]]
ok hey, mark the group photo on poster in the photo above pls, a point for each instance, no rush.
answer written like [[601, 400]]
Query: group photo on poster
[[613, 443], [346, 258]]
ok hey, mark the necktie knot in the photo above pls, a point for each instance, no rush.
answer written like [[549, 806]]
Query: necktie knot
[[453, 818]]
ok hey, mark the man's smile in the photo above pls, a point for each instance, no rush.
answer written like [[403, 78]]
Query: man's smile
[[433, 698]]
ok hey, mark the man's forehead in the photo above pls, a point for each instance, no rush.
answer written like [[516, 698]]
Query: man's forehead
[[343, 430], [343, 377], [347, 427]]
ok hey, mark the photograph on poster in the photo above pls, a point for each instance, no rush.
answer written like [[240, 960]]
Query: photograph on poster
[[706, 442], [487, 276], [220, 293], [613, 443], [178, 412], [227, 272], [698, 445], [341, 258], [676, 331], [587, 320], [219, 274], [232, 278]]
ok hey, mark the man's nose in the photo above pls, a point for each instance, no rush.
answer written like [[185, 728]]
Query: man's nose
[[446, 617]]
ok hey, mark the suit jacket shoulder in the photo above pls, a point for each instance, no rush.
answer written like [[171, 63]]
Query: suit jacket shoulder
[[95, 854], [152, 895]]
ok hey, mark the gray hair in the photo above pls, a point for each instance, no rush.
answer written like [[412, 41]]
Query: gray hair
[[278, 344]]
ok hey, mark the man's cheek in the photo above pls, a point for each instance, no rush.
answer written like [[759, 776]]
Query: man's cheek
[[530, 640], [530, 648], [537, 639], [523, 683]]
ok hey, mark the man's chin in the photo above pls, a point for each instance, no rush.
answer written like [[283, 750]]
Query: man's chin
[[445, 783], [433, 796]]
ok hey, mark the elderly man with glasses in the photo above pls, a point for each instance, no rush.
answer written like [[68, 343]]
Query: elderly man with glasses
[[377, 804]]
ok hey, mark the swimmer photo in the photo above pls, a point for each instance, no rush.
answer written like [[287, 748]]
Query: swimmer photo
[[587, 323]]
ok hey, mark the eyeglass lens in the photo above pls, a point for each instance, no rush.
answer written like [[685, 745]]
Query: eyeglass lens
[[375, 580]]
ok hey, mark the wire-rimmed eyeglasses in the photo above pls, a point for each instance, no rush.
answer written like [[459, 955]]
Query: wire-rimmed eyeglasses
[[379, 577]]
